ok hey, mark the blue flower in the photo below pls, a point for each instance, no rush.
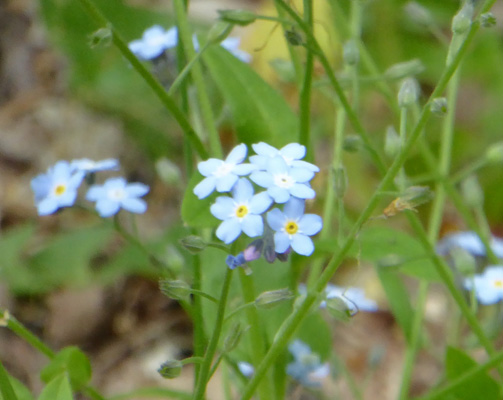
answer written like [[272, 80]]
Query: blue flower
[[154, 42], [235, 261], [354, 298], [306, 367], [246, 368], [115, 194], [89, 166], [292, 154], [57, 188], [293, 227], [282, 181], [231, 44], [222, 175], [470, 242], [240, 213], [488, 285]]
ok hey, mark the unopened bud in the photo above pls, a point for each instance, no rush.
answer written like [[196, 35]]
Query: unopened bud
[[237, 17], [404, 69], [392, 143], [193, 243], [352, 143], [168, 171], [340, 182], [472, 192], [439, 106], [418, 13], [463, 261], [293, 37], [339, 309], [219, 32], [254, 250], [350, 53], [487, 20], [4, 318], [272, 298], [494, 153], [101, 38], [175, 289], [233, 338], [170, 369], [463, 19], [409, 93]]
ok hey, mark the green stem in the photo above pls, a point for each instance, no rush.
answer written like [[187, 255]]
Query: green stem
[[199, 335], [197, 76], [154, 84], [212, 346], [5, 386], [402, 179]]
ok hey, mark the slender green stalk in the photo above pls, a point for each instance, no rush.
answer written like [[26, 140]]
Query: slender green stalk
[[402, 179], [198, 319], [470, 169], [154, 84], [212, 346], [197, 76], [6, 389]]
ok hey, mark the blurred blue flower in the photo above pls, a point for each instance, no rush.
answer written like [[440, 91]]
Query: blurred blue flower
[[293, 227], [235, 261], [292, 154], [246, 368], [89, 166], [488, 285], [154, 42], [306, 367], [231, 44], [222, 175], [282, 181], [354, 298], [115, 194], [470, 242], [57, 188], [241, 213]]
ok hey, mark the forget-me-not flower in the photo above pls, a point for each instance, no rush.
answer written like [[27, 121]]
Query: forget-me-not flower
[[292, 153], [282, 181], [470, 242], [57, 188], [246, 368], [488, 285], [222, 175], [293, 227], [241, 213], [115, 194], [154, 42], [89, 166], [306, 368], [235, 261]]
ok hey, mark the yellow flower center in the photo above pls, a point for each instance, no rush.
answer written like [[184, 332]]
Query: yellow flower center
[[498, 283], [291, 227], [59, 189], [241, 211]]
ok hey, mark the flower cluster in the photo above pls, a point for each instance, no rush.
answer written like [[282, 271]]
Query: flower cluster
[[470, 242], [155, 41], [285, 178], [306, 367], [58, 188]]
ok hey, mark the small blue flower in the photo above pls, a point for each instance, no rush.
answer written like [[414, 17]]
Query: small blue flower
[[235, 261], [470, 242], [57, 188], [222, 175], [488, 285], [89, 166], [354, 298], [231, 44], [246, 368], [293, 227], [240, 213], [292, 154], [282, 181], [154, 42], [306, 367], [115, 194]]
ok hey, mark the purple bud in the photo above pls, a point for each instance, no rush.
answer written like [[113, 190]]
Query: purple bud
[[254, 250]]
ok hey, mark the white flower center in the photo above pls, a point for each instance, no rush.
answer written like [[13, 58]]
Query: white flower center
[[284, 181], [223, 170], [116, 194]]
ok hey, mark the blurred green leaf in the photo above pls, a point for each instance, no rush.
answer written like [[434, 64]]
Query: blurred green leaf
[[479, 386], [72, 361], [259, 112], [196, 213], [57, 389]]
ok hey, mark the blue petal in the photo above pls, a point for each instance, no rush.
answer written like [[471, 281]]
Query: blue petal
[[301, 175], [260, 203], [115, 183], [277, 165], [279, 195], [206, 168], [205, 187], [136, 189], [225, 183], [95, 193], [107, 208], [302, 191], [223, 208], [253, 225], [262, 178], [134, 205], [294, 151], [68, 198], [244, 169], [47, 206], [310, 224], [294, 209], [259, 161], [299, 349], [305, 165], [302, 244], [281, 242], [237, 155], [40, 185], [242, 191], [276, 219], [229, 230], [264, 149]]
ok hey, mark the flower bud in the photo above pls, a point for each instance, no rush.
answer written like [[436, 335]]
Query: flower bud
[[254, 250], [392, 143], [340, 182], [219, 32], [233, 338], [168, 171], [193, 243], [339, 309], [272, 298], [404, 69], [487, 20], [4, 318], [175, 289], [494, 153], [237, 17], [352, 143], [418, 13], [170, 369], [293, 37], [439, 106], [101, 38], [409, 93], [463, 19], [350, 53], [472, 192]]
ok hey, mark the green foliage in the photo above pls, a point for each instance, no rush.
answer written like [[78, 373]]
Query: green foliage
[[195, 212], [72, 363], [57, 389]]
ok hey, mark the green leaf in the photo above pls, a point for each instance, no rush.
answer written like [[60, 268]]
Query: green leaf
[[479, 386], [72, 361], [195, 212], [315, 332], [22, 392], [259, 112], [57, 389]]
